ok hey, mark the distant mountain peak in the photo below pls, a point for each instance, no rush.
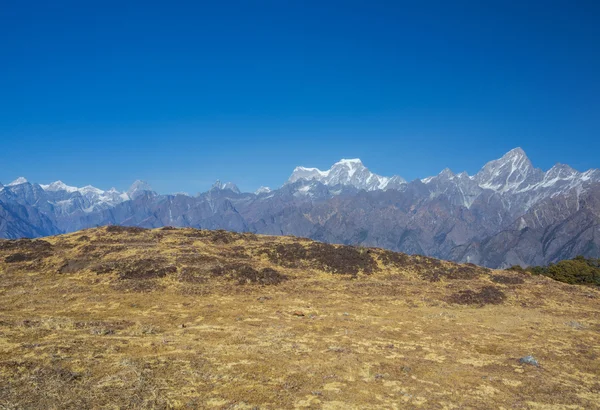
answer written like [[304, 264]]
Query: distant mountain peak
[[18, 181], [348, 172], [263, 190], [58, 186], [511, 172], [446, 173], [350, 162], [218, 185], [138, 188], [515, 152], [562, 171]]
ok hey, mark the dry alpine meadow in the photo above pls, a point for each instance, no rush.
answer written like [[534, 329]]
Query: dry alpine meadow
[[118, 317]]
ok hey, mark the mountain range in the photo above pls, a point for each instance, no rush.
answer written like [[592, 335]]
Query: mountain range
[[508, 213]]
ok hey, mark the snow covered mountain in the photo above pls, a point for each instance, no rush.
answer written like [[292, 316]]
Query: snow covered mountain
[[348, 172], [507, 213], [515, 180], [61, 200]]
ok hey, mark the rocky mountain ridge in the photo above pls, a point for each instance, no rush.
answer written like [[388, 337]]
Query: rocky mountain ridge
[[508, 213]]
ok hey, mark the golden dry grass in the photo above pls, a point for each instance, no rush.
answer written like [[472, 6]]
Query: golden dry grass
[[112, 318]]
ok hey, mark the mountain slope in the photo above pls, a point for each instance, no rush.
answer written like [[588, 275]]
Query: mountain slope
[[508, 213], [175, 318]]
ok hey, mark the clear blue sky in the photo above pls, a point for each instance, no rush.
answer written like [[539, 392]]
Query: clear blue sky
[[182, 93]]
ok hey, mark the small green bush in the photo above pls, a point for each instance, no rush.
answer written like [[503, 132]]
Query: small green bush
[[576, 271]]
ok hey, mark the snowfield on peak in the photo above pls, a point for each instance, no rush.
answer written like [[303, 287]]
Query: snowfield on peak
[[18, 181], [349, 172]]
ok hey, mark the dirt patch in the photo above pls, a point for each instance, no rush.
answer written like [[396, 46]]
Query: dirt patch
[[488, 295]]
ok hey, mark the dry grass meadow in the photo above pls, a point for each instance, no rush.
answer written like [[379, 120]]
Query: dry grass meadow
[[182, 318]]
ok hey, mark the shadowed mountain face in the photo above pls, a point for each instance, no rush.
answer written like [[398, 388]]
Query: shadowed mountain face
[[508, 213]]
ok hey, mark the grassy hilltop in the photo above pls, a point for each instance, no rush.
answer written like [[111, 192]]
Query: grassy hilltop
[[181, 318]]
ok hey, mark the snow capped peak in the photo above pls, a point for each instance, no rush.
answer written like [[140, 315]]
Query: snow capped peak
[[349, 172], [139, 185], [350, 162], [92, 189], [263, 190], [561, 171], [18, 181], [138, 188], [351, 166], [446, 173], [218, 185], [232, 187], [58, 186], [514, 171], [593, 174], [306, 173], [515, 153]]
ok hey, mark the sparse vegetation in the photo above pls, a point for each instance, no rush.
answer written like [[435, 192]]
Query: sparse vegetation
[[344, 260], [187, 318], [488, 295]]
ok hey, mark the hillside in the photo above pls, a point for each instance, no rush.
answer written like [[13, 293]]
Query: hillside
[[186, 318]]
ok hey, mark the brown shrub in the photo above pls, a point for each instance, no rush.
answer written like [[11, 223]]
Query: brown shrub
[[345, 260], [104, 267], [197, 233], [28, 250], [192, 275], [250, 236], [168, 228], [19, 257], [124, 229], [146, 269], [507, 280], [74, 265], [488, 295], [266, 276], [33, 245], [223, 237], [246, 274], [395, 259], [436, 271]]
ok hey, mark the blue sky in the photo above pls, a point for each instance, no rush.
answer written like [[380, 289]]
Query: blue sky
[[182, 93]]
